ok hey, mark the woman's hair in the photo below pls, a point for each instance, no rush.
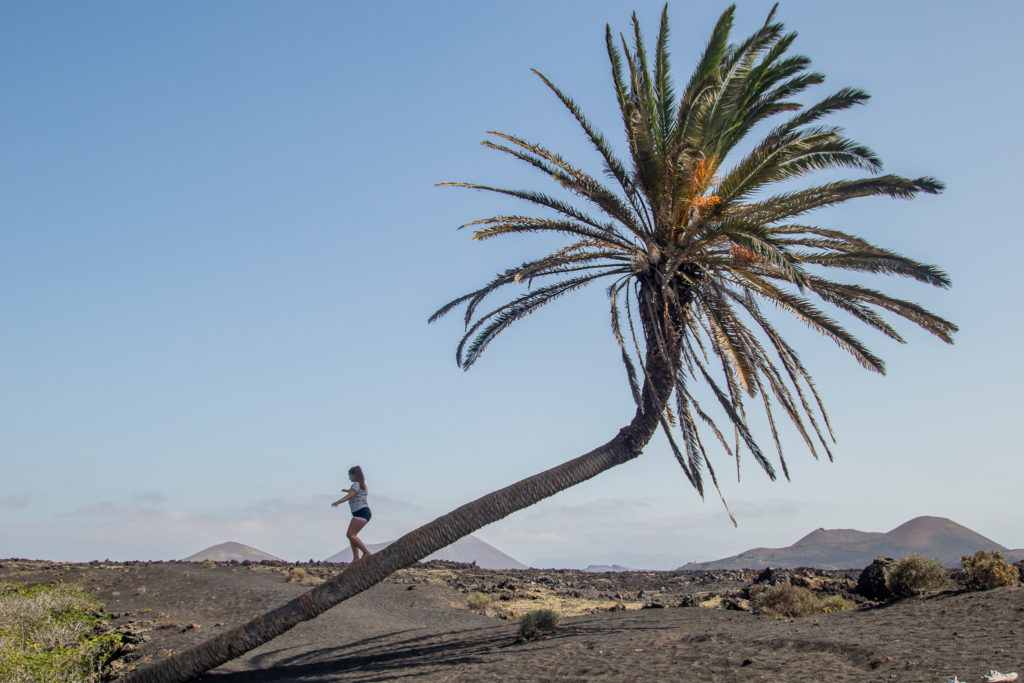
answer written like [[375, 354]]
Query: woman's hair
[[357, 472]]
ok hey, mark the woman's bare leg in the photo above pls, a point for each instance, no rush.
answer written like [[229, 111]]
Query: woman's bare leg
[[354, 527]]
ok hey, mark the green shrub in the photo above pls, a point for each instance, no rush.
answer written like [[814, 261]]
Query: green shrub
[[835, 603], [915, 574], [537, 623], [785, 600], [48, 633], [987, 569], [478, 602]]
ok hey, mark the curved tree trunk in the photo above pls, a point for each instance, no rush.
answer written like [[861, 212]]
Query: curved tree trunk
[[417, 544]]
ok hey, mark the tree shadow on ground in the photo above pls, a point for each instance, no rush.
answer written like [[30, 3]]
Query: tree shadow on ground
[[416, 653], [381, 658]]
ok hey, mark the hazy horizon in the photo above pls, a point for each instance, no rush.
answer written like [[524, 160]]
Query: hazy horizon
[[637, 561], [222, 241]]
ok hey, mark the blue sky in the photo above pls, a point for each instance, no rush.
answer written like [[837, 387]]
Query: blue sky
[[220, 241]]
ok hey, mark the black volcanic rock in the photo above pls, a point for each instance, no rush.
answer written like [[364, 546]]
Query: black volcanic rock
[[771, 577], [874, 580]]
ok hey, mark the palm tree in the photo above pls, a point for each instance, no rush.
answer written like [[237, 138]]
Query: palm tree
[[691, 251]]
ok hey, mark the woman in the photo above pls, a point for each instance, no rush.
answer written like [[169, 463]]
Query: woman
[[356, 497]]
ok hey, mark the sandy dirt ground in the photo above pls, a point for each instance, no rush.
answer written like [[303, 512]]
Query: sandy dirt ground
[[417, 626]]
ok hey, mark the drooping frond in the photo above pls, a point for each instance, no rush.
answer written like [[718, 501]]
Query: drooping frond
[[500, 318]]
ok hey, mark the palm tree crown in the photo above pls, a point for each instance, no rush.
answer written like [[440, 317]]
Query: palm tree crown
[[692, 248]]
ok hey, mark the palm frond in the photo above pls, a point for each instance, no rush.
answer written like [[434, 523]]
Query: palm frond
[[504, 225], [788, 205], [664, 92], [509, 313], [571, 178], [614, 167], [540, 199]]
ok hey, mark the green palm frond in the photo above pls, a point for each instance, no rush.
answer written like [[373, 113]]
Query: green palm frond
[[570, 178], [697, 251], [502, 225]]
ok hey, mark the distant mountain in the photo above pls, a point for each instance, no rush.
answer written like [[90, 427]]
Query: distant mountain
[[598, 568], [468, 549], [851, 549], [225, 552]]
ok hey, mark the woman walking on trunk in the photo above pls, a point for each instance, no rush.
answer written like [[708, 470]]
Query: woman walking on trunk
[[356, 497]]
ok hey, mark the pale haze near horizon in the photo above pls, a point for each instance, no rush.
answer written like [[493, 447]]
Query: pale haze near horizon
[[222, 240]]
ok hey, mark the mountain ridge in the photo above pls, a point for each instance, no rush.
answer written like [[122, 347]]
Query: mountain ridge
[[467, 549], [226, 552], [937, 537]]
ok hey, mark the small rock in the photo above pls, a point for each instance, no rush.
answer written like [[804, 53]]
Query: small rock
[[771, 577], [738, 604], [808, 582], [688, 601]]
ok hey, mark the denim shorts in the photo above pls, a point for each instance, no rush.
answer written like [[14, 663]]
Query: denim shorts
[[362, 513]]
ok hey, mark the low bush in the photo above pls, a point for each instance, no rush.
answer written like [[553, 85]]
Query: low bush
[[48, 633], [835, 603], [785, 600], [987, 569], [478, 602], [915, 574], [537, 623]]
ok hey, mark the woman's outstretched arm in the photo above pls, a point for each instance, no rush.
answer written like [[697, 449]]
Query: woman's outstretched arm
[[348, 494]]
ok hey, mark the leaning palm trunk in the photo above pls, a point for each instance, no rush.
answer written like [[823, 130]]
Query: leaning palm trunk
[[409, 549]]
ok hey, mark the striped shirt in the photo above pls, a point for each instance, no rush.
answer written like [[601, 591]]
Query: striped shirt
[[358, 501]]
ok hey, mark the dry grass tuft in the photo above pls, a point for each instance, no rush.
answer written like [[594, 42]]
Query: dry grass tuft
[[836, 603], [301, 576], [538, 623], [478, 602], [785, 600], [915, 574], [565, 605]]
